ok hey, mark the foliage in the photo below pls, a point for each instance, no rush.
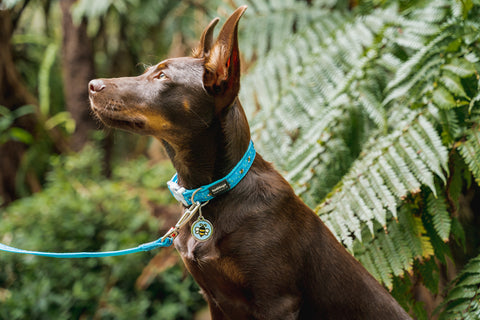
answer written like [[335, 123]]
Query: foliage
[[7, 129], [126, 35], [373, 115], [462, 301], [172, 23], [81, 210]]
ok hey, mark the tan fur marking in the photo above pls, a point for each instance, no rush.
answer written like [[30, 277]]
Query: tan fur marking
[[157, 122], [231, 270], [162, 66], [186, 104]]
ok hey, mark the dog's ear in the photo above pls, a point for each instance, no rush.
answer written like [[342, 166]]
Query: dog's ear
[[222, 66], [206, 40]]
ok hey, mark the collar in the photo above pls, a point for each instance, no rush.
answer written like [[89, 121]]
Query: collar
[[210, 191]]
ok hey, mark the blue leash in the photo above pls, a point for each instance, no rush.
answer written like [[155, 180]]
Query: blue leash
[[143, 247], [196, 199]]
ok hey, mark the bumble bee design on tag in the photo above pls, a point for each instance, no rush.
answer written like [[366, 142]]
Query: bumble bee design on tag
[[202, 229]]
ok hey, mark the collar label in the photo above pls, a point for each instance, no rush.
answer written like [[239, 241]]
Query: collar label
[[219, 188]]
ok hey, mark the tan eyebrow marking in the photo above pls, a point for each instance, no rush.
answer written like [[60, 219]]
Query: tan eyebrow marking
[[161, 66]]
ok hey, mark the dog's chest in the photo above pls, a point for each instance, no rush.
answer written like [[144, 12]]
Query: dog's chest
[[193, 250], [219, 276]]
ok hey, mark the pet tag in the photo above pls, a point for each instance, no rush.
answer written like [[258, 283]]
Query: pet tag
[[202, 229]]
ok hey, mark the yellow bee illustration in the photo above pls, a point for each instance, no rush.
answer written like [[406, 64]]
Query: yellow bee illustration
[[202, 230]]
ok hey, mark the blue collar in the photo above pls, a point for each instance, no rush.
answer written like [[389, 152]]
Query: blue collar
[[210, 191]]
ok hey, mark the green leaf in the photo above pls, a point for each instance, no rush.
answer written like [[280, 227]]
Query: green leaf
[[461, 68], [24, 110], [64, 118], [437, 209], [21, 135], [470, 151], [453, 83], [443, 98]]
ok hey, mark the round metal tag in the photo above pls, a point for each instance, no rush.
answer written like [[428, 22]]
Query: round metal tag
[[202, 229]]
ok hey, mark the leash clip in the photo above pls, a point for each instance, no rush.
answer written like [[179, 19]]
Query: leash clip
[[187, 216]]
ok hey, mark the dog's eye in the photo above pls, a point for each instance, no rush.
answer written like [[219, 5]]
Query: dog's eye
[[161, 76]]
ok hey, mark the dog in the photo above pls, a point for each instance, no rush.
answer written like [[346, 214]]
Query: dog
[[268, 256]]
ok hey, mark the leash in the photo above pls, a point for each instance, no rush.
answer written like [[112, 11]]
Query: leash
[[143, 247], [201, 229]]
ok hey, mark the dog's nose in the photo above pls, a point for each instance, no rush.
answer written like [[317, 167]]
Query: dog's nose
[[96, 85]]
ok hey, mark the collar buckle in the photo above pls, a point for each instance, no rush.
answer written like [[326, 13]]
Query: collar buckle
[[177, 192]]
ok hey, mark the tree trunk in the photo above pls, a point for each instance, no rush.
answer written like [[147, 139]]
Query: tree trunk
[[13, 94], [78, 70]]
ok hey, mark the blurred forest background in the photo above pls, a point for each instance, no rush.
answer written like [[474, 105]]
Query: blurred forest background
[[370, 108]]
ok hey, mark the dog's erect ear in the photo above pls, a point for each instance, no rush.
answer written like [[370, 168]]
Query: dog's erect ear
[[206, 40], [222, 66]]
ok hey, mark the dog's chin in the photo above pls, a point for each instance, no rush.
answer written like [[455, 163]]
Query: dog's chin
[[120, 120]]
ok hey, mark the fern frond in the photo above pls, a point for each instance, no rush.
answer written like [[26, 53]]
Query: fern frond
[[460, 67], [453, 83], [394, 167], [470, 151], [425, 151], [437, 209], [396, 262], [270, 22], [394, 251], [373, 258], [409, 68], [405, 174], [443, 98], [439, 152], [462, 301], [304, 113], [416, 165]]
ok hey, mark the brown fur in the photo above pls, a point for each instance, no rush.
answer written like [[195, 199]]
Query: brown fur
[[270, 256]]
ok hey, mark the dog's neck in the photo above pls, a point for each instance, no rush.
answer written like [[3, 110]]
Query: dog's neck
[[211, 154]]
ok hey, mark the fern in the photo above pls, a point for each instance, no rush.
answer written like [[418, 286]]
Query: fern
[[462, 301], [470, 151], [394, 252], [364, 113], [437, 209], [394, 167], [311, 100], [270, 22]]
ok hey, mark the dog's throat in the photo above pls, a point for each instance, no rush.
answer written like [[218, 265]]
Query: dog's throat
[[206, 193]]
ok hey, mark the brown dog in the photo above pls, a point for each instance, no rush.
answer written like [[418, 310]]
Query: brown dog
[[269, 256]]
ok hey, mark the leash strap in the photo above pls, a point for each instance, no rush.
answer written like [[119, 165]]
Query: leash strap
[[210, 191], [196, 199], [162, 242]]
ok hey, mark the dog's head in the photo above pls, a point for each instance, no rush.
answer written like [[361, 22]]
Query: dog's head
[[178, 96]]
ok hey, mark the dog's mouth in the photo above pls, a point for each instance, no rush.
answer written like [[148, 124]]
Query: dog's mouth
[[116, 115]]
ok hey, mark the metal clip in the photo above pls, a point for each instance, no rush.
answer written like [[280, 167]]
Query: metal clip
[[172, 233], [187, 216]]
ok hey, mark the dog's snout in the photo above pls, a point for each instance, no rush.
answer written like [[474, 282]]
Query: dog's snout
[[96, 85]]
